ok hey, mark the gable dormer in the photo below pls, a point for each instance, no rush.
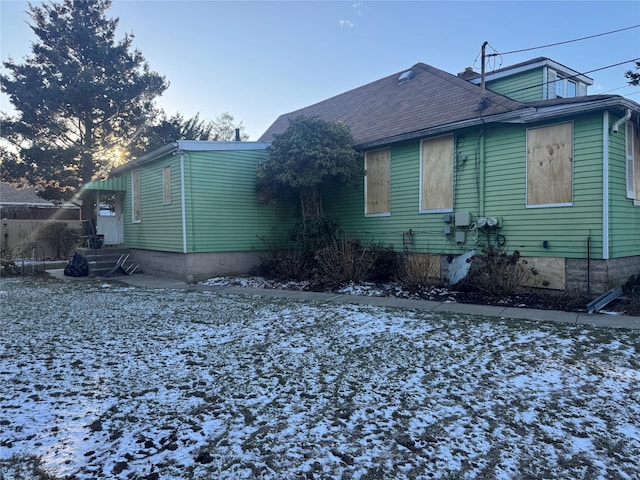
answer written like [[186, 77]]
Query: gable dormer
[[534, 80]]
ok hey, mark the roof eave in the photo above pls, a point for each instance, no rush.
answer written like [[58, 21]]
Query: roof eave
[[144, 159], [507, 117], [528, 114]]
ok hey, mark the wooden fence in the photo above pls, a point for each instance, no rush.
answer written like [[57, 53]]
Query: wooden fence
[[21, 238]]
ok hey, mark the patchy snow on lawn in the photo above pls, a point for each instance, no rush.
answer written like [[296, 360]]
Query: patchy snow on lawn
[[105, 381]]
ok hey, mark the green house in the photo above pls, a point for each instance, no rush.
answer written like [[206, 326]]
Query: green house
[[520, 159], [189, 210], [530, 164]]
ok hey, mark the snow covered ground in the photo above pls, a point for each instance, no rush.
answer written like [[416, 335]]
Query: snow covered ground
[[99, 380]]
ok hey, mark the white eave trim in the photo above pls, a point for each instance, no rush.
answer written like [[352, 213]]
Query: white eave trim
[[189, 146]]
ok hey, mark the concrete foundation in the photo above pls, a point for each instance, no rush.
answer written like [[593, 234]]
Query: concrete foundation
[[195, 267], [583, 277]]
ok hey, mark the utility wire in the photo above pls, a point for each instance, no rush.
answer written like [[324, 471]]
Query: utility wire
[[567, 41]]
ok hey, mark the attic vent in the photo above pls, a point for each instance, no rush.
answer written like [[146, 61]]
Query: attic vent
[[405, 77]]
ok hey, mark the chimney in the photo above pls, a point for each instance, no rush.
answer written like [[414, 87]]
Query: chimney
[[468, 74], [237, 134]]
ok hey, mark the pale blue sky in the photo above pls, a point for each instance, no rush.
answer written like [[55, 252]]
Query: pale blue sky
[[259, 59]]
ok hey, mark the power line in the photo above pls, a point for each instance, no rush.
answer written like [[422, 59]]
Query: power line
[[567, 41]]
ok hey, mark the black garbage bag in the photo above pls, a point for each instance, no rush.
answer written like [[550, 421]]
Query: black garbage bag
[[77, 267]]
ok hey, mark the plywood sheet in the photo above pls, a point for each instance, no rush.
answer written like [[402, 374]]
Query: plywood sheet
[[549, 164], [551, 272], [378, 181], [437, 174]]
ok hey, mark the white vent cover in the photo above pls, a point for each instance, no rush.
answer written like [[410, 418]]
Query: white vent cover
[[405, 77]]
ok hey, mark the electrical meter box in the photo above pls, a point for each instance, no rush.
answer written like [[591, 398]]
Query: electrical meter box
[[462, 219], [460, 236]]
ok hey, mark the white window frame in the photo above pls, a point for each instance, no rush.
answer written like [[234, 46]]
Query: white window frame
[[631, 162], [136, 196], [559, 86]]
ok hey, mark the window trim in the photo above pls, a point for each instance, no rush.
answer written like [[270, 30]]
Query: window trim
[[549, 205], [366, 189], [632, 161], [421, 176]]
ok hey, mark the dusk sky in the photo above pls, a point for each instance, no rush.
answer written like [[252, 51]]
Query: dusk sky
[[259, 59]]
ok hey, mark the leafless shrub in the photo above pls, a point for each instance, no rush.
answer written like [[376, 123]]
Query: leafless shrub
[[497, 274], [417, 271], [344, 260]]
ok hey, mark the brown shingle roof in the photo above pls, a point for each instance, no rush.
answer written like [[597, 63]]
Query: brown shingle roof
[[26, 196], [385, 108]]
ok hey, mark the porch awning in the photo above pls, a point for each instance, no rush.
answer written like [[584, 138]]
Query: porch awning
[[116, 184]]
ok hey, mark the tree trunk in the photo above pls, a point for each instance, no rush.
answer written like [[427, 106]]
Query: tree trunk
[[86, 173]]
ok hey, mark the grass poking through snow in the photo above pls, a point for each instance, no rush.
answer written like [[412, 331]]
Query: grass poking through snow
[[105, 381]]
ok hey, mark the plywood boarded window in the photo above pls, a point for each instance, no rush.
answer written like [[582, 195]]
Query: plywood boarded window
[[436, 174], [633, 161], [549, 165], [135, 197], [166, 185], [377, 190]]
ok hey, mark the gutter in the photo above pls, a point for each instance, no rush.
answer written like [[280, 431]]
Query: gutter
[[183, 205], [605, 186]]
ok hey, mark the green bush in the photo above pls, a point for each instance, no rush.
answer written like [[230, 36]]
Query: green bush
[[315, 233], [60, 237], [8, 267], [281, 260], [385, 265], [631, 289]]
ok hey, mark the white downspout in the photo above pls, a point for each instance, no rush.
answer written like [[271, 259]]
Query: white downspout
[[183, 205], [625, 119], [605, 185]]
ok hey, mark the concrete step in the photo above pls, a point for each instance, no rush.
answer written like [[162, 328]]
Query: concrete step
[[103, 260]]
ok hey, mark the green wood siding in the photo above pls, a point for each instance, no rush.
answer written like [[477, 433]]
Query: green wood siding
[[624, 216], [523, 87], [566, 229], [223, 211], [160, 226]]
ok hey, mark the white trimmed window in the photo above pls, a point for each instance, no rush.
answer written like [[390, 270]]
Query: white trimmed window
[[136, 216], [561, 87], [166, 185], [377, 183], [632, 142], [550, 165], [436, 174]]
